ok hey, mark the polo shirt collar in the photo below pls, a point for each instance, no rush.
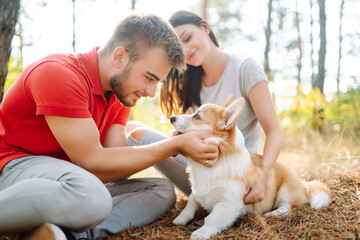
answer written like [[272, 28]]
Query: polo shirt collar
[[90, 62]]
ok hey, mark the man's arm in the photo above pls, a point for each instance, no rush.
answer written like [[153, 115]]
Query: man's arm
[[79, 137]]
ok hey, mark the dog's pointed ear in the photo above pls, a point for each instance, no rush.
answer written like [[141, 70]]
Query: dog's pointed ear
[[231, 114], [228, 101]]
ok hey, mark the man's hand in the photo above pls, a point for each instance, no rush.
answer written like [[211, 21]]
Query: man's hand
[[192, 144], [255, 193]]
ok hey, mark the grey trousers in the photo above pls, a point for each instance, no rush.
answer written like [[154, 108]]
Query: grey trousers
[[37, 190], [173, 168]]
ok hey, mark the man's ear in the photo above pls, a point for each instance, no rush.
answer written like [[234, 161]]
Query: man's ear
[[231, 114], [120, 57]]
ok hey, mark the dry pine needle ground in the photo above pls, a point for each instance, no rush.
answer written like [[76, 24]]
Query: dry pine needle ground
[[339, 221]]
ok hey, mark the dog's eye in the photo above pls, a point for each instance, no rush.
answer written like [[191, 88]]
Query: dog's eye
[[196, 116]]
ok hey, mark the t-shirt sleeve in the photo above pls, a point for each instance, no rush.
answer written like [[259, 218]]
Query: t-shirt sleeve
[[252, 74], [58, 90], [123, 116]]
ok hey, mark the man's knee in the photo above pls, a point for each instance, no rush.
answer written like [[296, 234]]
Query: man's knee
[[90, 205], [166, 192]]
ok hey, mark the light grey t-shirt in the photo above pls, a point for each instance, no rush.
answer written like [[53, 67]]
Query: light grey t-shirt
[[238, 78]]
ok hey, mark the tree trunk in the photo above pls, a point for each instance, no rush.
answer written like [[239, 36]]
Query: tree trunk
[[267, 38], [319, 81], [340, 47], [9, 14], [19, 34], [204, 8], [322, 50], [299, 43], [74, 34], [133, 3], [312, 42]]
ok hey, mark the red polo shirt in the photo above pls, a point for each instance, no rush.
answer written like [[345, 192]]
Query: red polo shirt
[[58, 85]]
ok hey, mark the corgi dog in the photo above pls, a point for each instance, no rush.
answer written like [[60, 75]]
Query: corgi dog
[[221, 189]]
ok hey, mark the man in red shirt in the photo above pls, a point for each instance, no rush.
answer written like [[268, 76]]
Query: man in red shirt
[[63, 156]]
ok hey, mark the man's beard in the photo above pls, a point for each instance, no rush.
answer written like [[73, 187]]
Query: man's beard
[[118, 83]]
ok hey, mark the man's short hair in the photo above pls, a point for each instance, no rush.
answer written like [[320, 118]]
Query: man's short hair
[[138, 32]]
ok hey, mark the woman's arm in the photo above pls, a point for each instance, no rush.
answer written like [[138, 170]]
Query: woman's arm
[[261, 102]]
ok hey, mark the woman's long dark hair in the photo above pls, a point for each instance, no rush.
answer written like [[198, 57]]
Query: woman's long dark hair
[[181, 92]]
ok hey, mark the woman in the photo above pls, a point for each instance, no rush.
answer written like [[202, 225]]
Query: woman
[[213, 75]]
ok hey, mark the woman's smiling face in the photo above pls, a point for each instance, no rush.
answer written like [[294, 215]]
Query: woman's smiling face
[[196, 42]]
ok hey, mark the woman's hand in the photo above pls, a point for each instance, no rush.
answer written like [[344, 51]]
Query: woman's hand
[[255, 193]]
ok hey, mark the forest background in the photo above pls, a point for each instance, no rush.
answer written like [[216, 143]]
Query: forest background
[[309, 49]]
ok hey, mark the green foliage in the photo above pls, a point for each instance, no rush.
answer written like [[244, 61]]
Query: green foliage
[[344, 112], [14, 70], [147, 111], [312, 111]]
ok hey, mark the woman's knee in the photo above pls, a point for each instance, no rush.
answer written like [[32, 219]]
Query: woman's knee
[[142, 134], [137, 133], [131, 125]]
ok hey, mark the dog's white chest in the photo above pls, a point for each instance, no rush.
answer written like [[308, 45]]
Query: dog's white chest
[[213, 185]]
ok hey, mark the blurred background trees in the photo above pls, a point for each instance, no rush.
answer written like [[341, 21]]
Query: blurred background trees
[[9, 13], [300, 56]]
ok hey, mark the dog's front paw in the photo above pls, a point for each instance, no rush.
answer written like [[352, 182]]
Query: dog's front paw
[[182, 219], [200, 234]]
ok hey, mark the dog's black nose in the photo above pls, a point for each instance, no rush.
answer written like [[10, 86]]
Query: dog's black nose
[[172, 119]]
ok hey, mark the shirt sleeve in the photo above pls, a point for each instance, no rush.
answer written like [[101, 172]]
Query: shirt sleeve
[[58, 90], [252, 74], [123, 116]]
